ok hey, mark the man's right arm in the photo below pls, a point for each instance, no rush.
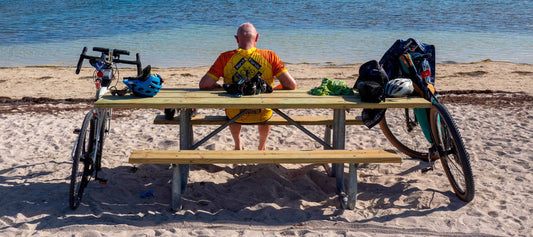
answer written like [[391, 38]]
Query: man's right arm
[[208, 83]]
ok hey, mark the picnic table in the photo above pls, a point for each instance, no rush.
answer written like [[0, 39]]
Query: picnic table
[[187, 99]]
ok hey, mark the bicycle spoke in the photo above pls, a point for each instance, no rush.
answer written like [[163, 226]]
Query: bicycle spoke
[[402, 129]]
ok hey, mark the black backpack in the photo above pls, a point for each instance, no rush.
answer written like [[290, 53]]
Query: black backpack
[[371, 81]]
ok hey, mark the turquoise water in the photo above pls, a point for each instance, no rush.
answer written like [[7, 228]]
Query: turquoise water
[[193, 33]]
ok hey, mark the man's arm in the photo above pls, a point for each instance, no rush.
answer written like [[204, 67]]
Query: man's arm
[[208, 83], [287, 82]]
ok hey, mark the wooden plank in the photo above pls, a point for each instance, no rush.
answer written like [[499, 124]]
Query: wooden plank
[[262, 157], [274, 120], [193, 98]]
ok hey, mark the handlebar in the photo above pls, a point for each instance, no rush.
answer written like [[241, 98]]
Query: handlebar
[[116, 52], [80, 61], [115, 57]]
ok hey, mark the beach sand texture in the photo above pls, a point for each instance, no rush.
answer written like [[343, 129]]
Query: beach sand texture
[[41, 106]]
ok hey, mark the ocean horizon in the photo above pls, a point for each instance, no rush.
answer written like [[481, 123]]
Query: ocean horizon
[[193, 33]]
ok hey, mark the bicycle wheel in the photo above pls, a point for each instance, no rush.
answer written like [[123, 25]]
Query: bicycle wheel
[[452, 152], [81, 165], [103, 128], [402, 129]]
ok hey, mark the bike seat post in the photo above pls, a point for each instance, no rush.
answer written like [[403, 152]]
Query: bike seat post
[[110, 55]]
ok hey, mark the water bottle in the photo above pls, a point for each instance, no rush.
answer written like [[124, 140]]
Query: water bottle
[[426, 73]]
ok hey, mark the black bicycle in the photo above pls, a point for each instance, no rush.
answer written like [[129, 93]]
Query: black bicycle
[[87, 151]]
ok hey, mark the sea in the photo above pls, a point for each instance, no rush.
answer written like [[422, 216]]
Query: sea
[[191, 33]]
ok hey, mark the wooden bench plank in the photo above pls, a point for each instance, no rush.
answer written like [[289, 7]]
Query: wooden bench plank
[[274, 120], [296, 99], [262, 157]]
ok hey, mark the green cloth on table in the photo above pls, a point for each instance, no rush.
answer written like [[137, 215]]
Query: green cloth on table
[[332, 87]]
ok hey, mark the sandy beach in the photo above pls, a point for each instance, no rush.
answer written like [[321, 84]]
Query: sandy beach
[[491, 103]]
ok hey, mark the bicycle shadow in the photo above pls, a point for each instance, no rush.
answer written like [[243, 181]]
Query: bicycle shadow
[[265, 194]]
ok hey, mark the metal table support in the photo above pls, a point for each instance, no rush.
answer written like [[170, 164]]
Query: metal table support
[[346, 199], [181, 171]]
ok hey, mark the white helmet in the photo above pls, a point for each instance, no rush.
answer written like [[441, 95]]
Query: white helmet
[[399, 87]]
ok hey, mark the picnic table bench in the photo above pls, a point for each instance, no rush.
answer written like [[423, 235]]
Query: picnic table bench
[[334, 152]]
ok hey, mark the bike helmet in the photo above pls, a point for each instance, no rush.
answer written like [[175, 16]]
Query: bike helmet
[[399, 87], [147, 87]]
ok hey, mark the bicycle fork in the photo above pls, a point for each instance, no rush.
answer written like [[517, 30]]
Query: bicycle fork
[[99, 121], [102, 117]]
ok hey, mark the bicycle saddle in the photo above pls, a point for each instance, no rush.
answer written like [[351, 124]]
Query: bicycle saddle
[[144, 75]]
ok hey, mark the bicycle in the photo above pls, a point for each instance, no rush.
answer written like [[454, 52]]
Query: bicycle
[[403, 127], [87, 151]]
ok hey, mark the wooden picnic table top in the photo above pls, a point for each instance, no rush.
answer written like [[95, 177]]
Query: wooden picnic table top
[[188, 98]]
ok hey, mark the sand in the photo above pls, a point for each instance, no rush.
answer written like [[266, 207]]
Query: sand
[[491, 103]]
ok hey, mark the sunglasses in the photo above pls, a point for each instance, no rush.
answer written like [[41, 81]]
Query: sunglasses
[[115, 91]]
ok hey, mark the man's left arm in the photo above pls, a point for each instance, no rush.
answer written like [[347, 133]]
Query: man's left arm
[[208, 83], [286, 80]]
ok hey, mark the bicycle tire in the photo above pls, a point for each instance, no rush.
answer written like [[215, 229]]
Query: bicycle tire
[[400, 127], [101, 140], [453, 155], [81, 165]]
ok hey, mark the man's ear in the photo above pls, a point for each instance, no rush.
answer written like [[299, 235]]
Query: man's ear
[[256, 37], [237, 38]]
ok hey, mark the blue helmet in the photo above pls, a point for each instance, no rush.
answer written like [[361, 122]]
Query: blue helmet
[[145, 88]]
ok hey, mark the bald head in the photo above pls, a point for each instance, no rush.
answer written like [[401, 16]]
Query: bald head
[[246, 36]]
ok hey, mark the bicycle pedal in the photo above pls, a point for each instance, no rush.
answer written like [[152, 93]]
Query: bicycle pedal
[[77, 131]]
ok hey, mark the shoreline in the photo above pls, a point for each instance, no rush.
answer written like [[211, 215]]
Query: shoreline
[[332, 64], [58, 82]]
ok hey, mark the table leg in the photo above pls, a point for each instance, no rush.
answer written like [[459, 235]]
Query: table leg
[[181, 171], [176, 188], [352, 186], [339, 137]]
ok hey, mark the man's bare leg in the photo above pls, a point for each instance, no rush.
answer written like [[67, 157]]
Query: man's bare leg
[[264, 130], [235, 130]]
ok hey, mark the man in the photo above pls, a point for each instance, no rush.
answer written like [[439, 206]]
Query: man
[[248, 61]]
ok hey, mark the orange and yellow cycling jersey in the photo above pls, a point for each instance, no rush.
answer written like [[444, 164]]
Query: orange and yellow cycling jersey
[[240, 63]]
